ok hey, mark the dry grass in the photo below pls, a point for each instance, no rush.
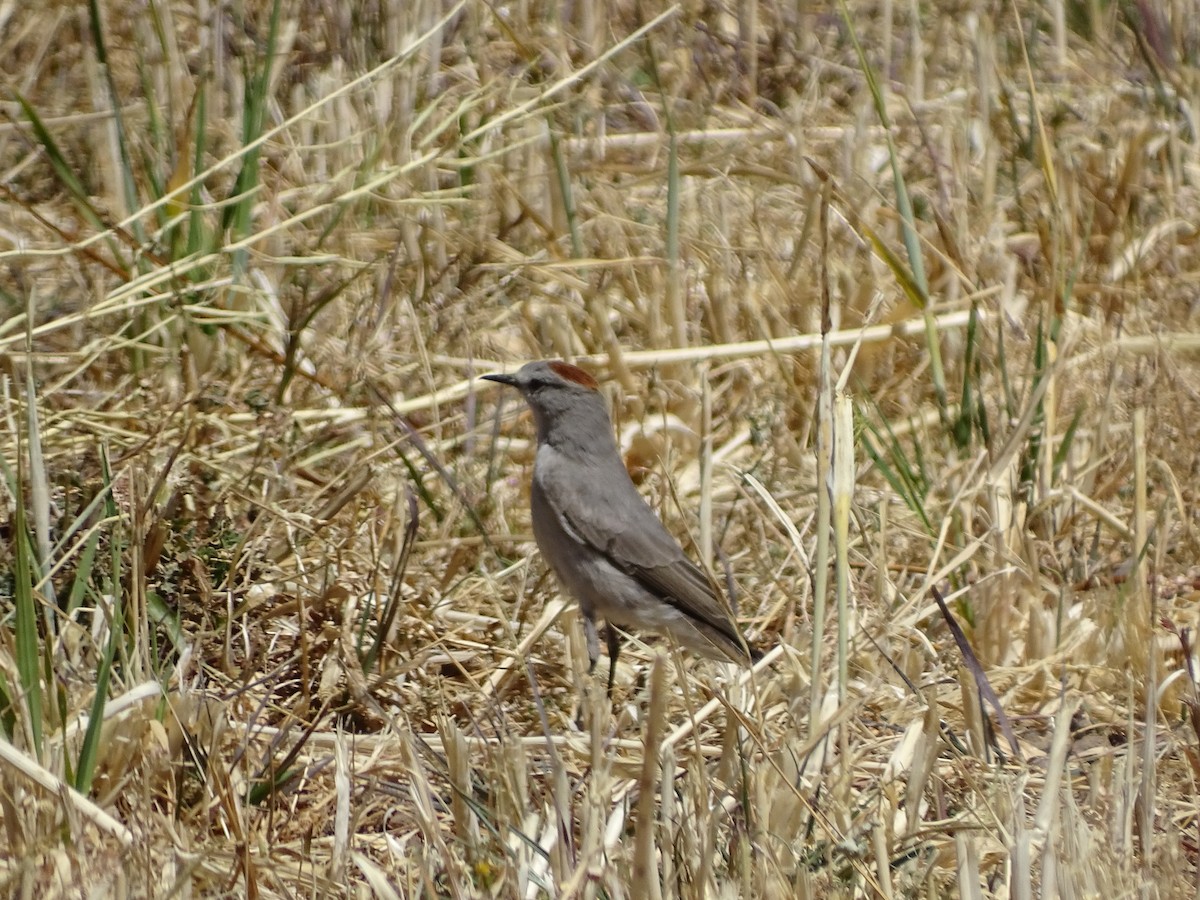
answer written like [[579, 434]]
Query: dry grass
[[273, 623]]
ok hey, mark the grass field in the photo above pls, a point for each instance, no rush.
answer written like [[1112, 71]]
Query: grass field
[[897, 308]]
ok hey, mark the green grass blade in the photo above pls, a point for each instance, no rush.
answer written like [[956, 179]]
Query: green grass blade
[[62, 169], [237, 217], [905, 478], [85, 767], [912, 241], [128, 178], [28, 642]]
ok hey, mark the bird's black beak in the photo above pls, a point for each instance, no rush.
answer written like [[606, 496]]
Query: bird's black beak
[[510, 380]]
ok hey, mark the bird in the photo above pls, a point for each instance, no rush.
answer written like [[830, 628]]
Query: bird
[[602, 540]]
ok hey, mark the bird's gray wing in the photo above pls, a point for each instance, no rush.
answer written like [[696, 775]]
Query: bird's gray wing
[[607, 512]]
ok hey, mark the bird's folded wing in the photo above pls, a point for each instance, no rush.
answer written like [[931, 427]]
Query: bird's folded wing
[[620, 524]]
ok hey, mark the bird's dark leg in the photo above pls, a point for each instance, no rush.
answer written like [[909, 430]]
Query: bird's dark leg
[[593, 642], [614, 650], [593, 649]]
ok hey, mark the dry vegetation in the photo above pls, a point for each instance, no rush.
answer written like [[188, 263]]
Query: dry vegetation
[[272, 621]]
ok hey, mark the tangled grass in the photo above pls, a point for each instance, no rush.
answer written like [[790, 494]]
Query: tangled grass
[[897, 311]]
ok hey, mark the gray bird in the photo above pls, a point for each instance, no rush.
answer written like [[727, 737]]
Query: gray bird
[[600, 537]]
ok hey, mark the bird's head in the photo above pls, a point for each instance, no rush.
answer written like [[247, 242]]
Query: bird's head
[[566, 402]]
